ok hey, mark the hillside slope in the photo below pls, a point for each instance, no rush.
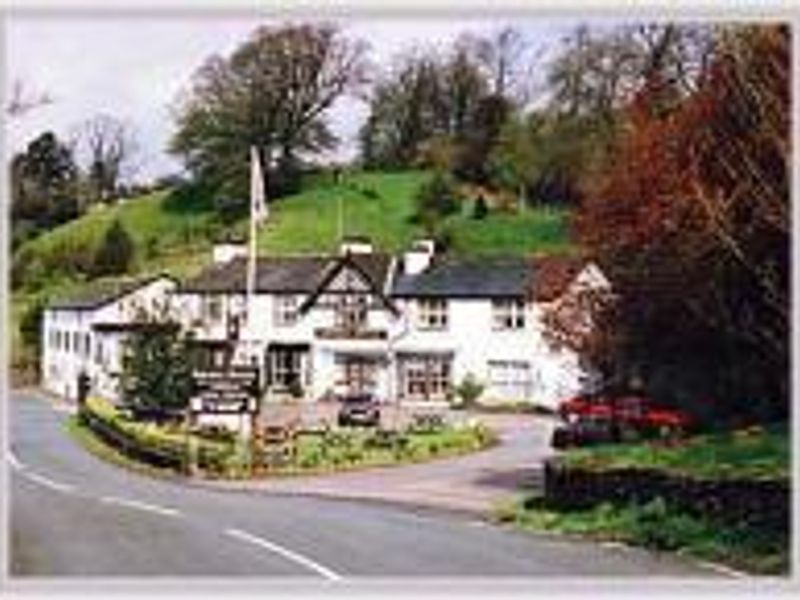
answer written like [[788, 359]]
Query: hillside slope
[[174, 233]]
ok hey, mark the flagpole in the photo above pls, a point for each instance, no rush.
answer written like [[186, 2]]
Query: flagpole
[[258, 213]]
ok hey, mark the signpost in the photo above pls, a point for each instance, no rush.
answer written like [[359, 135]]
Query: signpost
[[232, 391]]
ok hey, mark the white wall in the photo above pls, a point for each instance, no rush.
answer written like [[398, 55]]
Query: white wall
[[61, 367]]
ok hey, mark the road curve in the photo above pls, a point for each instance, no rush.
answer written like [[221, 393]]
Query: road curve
[[72, 514]]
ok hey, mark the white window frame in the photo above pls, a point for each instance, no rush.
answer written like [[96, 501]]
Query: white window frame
[[352, 311], [432, 314], [514, 376], [508, 314], [212, 309], [286, 307], [427, 377]]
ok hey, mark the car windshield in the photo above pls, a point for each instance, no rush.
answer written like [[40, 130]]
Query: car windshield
[[356, 399]]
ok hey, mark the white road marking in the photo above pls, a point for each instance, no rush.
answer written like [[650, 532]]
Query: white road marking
[[13, 462], [285, 552], [169, 512], [49, 483], [731, 572]]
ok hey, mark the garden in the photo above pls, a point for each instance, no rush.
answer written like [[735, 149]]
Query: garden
[[276, 450]]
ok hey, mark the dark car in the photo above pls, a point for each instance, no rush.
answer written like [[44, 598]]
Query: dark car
[[359, 409], [585, 430]]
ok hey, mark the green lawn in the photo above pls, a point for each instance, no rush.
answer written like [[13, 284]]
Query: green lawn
[[750, 453]]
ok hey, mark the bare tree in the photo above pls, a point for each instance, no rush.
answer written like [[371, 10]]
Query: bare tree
[[110, 146], [22, 101]]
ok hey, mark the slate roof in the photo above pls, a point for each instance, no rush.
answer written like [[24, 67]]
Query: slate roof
[[478, 278], [102, 293], [281, 274]]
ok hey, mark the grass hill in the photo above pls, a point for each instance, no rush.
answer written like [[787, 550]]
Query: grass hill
[[173, 232]]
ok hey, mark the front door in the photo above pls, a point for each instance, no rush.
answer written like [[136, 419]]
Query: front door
[[286, 368], [357, 374]]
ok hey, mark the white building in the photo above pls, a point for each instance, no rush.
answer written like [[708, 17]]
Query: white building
[[84, 334], [409, 328]]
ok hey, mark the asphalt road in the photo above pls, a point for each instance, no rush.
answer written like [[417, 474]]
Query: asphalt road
[[74, 515]]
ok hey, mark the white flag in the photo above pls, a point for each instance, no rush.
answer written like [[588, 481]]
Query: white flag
[[258, 202]]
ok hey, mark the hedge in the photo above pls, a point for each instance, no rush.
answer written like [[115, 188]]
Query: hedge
[[150, 444], [760, 504]]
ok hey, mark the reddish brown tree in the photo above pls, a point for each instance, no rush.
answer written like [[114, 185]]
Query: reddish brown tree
[[690, 217]]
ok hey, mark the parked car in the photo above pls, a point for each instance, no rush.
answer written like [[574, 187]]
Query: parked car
[[627, 416], [585, 430], [359, 409]]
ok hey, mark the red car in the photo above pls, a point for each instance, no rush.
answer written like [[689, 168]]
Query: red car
[[637, 412]]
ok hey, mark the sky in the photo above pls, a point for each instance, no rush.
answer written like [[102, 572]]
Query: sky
[[134, 68]]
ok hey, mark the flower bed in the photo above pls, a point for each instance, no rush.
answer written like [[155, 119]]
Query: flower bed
[[218, 454]]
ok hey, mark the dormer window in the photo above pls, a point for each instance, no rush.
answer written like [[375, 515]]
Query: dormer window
[[285, 311], [432, 313], [508, 313], [351, 311]]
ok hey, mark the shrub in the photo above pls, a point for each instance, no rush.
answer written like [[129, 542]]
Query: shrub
[[156, 370], [435, 200], [480, 210], [469, 390], [115, 254]]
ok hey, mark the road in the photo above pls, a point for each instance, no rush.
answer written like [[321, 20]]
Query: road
[[74, 515]]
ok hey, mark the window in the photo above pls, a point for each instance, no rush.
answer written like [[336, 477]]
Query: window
[[510, 379], [427, 377], [98, 352], [285, 310], [285, 367], [351, 311], [76, 342], [212, 308], [87, 345], [432, 313], [508, 314]]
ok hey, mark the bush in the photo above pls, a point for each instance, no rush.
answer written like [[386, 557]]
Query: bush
[[115, 254], [148, 443], [469, 390], [157, 370], [435, 200], [480, 210]]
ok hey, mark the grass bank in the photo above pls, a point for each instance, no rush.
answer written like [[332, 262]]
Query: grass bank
[[655, 526], [754, 454]]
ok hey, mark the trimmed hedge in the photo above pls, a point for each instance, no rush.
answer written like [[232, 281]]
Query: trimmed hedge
[[758, 504], [150, 444]]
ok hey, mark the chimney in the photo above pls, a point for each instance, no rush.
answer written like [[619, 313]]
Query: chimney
[[355, 244], [226, 250], [418, 258]]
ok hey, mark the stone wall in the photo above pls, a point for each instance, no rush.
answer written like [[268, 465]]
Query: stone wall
[[759, 504]]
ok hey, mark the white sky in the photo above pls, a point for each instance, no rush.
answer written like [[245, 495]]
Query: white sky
[[133, 67]]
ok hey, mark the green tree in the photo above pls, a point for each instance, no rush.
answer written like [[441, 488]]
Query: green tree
[[156, 369], [435, 200], [43, 187], [273, 93], [30, 328], [481, 210], [115, 253]]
